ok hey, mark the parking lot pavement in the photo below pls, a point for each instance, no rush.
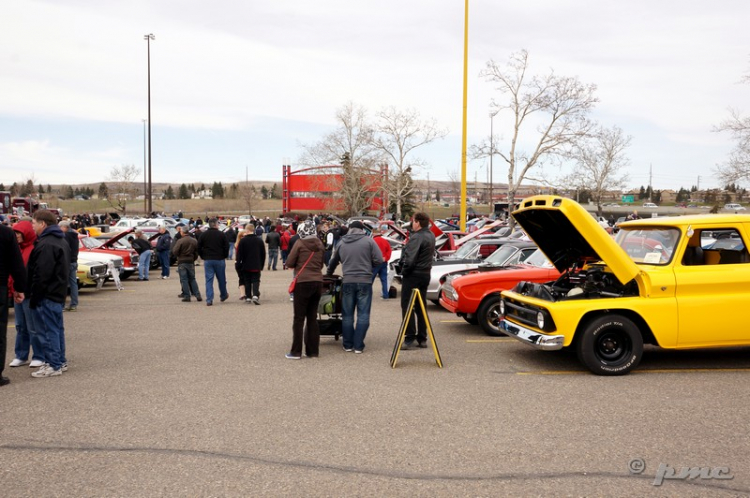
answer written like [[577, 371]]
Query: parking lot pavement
[[165, 398]]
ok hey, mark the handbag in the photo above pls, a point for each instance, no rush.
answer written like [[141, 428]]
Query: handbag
[[294, 279]]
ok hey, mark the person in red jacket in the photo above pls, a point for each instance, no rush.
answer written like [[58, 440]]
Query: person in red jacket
[[382, 269], [26, 338], [286, 236]]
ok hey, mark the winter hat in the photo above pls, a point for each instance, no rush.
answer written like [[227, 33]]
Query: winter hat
[[307, 230], [356, 224]]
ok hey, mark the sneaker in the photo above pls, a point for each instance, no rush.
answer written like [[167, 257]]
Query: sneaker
[[422, 344], [290, 356], [199, 299], [64, 367], [209, 303], [72, 308], [256, 300], [224, 298], [407, 346], [357, 351], [36, 363], [185, 299], [46, 371], [17, 363], [248, 300], [180, 295], [348, 350], [291, 298]]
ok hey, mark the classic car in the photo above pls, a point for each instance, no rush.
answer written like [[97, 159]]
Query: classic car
[[91, 273], [482, 253], [476, 297], [102, 258], [129, 256], [654, 283]]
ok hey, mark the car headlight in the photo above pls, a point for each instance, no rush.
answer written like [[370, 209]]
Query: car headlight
[[502, 307], [540, 320]]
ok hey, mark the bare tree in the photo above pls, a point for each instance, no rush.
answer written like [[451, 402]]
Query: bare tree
[[398, 133], [249, 194], [351, 146], [550, 112], [738, 166], [454, 180], [122, 180], [599, 161]]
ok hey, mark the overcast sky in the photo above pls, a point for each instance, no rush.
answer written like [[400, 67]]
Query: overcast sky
[[241, 84]]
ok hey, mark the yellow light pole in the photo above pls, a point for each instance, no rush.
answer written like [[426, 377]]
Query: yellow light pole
[[463, 140]]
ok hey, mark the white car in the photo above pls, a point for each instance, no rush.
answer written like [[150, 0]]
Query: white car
[[734, 207], [650, 205]]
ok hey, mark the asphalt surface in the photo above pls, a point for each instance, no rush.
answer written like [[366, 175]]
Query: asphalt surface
[[165, 398]]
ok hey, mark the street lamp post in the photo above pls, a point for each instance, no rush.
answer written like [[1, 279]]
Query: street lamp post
[[148, 39], [492, 153], [145, 207]]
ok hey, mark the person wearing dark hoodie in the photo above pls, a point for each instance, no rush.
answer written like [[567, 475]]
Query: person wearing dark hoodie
[[26, 337], [358, 255], [71, 237], [49, 265], [306, 259], [11, 264], [251, 256]]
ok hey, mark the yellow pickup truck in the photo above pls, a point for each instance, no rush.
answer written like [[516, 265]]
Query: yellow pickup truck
[[675, 282]]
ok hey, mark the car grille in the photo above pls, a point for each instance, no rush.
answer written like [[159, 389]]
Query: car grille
[[520, 313], [134, 258]]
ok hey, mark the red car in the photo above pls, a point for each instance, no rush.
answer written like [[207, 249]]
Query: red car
[[476, 296], [111, 246]]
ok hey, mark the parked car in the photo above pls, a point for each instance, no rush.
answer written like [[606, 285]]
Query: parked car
[[126, 223], [649, 205], [476, 297], [128, 256], [87, 256], [673, 293], [510, 253], [91, 273], [734, 207]]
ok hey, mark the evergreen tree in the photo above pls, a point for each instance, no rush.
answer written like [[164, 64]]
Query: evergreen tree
[[437, 195], [642, 194], [103, 191], [14, 189], [2, 187], [184, 194], [264, 192], [69, 194], [169, 193]]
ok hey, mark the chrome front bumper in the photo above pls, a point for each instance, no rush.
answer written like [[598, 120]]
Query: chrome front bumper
[[532, 338]]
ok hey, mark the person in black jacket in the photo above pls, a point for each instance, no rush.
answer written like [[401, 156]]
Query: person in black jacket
[[251, 256], [71, 237], [417, 258], [143, 248], [213, 249], [48, 268], [11, 264], [231, 235], [163, 246]]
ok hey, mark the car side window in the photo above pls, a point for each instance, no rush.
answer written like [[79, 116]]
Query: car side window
[[723, 246]]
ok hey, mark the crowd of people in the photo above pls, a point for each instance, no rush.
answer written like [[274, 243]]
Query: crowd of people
[[38, 262]]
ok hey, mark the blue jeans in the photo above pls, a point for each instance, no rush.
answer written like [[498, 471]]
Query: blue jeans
[[26, 336], [359, 295], [273, 258], [231, 251], [217, 268], [187, 280], [144, 263], [73, 284], [164, 262], [47, 319], [382, 271]]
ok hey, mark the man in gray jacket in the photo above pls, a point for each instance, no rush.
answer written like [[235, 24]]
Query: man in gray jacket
[[358, 255]]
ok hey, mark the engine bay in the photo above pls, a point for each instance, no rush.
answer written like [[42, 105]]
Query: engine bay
[[590, 282]]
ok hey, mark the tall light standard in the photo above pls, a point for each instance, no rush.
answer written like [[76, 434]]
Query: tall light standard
[[492, 153], [144, 166], [148, 39]]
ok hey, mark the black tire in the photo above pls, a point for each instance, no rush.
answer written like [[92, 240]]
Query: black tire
[[126, 275], [610, 345], [488, 316], [473, 320]]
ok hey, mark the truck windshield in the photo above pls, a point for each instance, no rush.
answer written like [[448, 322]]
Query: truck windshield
[[653, 246]]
